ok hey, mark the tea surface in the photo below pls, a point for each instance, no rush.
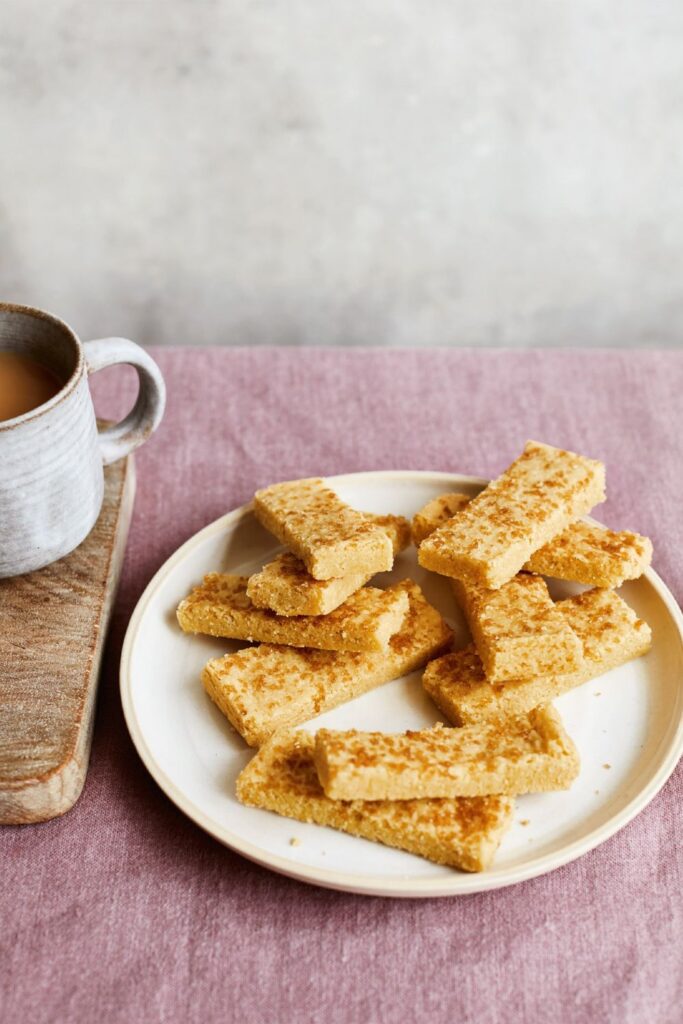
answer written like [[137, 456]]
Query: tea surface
[[24, 384]]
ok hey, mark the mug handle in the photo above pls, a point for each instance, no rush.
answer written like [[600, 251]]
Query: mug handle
[[145, 416]]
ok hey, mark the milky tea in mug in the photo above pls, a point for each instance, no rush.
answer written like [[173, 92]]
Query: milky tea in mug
[[24, 384], [52, 449]]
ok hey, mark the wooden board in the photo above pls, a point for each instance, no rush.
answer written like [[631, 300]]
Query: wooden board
[[53, 625]]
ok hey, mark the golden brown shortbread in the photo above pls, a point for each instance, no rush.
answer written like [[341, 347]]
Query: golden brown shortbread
[[330, 537], [532, 754], [584, 552], [285, 585], [610, 633], [435, 513], [397, 529], [220, 606], [593, 555], [536, 498], [517, 629], [265, 688], [462, 833]]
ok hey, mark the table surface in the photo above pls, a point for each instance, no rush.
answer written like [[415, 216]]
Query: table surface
[[123, 911]]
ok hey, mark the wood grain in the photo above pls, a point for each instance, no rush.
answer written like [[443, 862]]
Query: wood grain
[[53, 624]]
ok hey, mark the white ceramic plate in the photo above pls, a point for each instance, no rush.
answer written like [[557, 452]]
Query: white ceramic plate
[[628, 725]]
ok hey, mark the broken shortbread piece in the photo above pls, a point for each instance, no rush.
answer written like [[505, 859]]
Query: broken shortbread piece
[[610, 633], [533, 754], [537, 497], [265, 688], [518, 629], [463, 833], [220, 607], [330, 537], [584, 552], [286, 586]]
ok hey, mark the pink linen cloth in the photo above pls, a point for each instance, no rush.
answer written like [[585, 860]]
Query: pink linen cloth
[[124, 911]]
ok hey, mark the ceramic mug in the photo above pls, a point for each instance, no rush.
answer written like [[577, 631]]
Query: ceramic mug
[[51, 458]]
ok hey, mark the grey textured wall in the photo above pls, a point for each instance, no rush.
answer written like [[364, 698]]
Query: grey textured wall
[[322, 171]]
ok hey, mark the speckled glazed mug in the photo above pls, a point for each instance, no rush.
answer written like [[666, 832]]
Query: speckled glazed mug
[[51, 458]]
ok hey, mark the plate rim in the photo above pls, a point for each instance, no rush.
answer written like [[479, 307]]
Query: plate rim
[[462, 883]]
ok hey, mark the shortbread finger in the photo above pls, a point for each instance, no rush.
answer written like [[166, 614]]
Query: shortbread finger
[[593, 555], [330, 537], [518, 630], [584, 552], [533, 754], [463, 833], [435, 513], [397, 529], [269, 687], [365, 622], [286, 586], [536, 498], [610, 633]]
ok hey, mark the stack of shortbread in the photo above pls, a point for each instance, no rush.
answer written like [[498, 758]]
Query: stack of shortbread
[[323, 637]]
